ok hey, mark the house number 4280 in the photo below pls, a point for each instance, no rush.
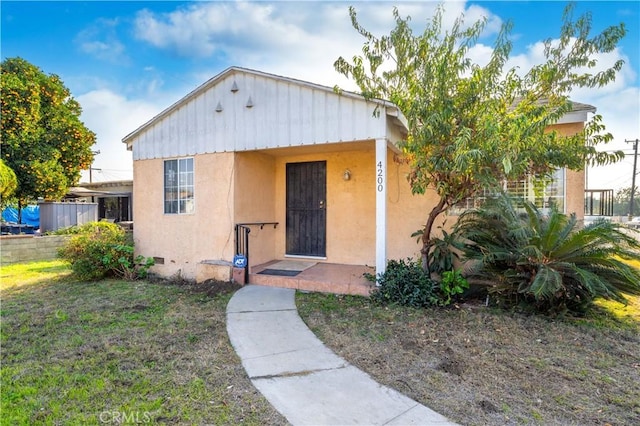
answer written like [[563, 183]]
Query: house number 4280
[[380, 176]]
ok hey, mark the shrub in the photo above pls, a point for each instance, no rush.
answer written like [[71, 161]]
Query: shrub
[[122, 262], [452, 284], [444, 251], [100, 249], [404, 283], [548, 263], [68, 230]]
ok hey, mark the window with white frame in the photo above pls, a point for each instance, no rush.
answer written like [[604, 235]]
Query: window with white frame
[[552, 195], [555, 192], [178, 186]]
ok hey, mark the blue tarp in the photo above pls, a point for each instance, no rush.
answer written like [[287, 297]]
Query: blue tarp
[[30, 215]]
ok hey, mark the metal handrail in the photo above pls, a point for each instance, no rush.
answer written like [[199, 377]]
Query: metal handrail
[[262, 224], [242, 240]]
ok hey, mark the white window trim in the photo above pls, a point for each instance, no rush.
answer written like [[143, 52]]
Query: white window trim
[[459, 209], [164, 188]]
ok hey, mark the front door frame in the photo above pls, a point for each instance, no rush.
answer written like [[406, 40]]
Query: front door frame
[[305, 209]]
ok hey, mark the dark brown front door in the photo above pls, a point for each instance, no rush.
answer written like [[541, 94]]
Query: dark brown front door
[[306, 208]]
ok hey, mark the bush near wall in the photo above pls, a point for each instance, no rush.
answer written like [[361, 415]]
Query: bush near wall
[[100, 249]]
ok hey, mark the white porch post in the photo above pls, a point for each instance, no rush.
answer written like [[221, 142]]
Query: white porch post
[[381, 205]]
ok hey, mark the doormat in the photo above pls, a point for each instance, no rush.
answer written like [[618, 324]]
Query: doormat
[[292, 265], [279, 272]]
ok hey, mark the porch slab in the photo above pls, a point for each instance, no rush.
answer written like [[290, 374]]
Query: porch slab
[[321, 277]]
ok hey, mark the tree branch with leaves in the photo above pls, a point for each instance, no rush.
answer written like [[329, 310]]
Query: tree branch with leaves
[[44, 142], [471, 126]]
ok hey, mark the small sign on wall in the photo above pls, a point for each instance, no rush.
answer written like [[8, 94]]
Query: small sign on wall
[[240, 261]]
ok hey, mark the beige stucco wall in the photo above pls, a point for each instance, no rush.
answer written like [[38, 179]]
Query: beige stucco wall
[[574, 180], [255, 202], [233, 188], [185, 240], [575, 193], [351, 206], [406, 213], [258, 195]]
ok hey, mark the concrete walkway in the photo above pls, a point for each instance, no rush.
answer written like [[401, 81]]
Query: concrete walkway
[[305, 381]]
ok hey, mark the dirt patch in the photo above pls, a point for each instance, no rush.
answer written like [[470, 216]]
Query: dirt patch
[[209, 288], [479, 366], [212, 288], [451, 363]]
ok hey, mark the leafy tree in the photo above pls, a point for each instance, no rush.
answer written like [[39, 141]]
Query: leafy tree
[[548, 262], [8, 182], [622, 200], [472, 126], [43, 140]]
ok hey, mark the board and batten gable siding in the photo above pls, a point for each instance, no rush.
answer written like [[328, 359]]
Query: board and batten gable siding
[[283, 113]]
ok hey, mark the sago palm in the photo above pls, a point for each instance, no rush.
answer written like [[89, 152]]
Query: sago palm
[[548, 261]]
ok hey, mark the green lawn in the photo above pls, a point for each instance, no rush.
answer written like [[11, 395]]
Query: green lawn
[[141, 352], [116, 351], [629, 313]]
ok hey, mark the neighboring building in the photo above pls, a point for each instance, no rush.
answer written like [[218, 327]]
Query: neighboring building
[[114, 198], [253, 148]]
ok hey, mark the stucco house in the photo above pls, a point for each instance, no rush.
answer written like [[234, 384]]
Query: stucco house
[[310, 172]]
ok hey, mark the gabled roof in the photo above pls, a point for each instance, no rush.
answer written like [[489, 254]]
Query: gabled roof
[[392, 110], [279, 111], [578, 113], [578, 107]]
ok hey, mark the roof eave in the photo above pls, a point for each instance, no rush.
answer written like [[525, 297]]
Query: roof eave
[[397, 116], [579, 116], [128, 139]]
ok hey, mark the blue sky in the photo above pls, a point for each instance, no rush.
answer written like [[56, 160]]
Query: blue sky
[[125, 61]]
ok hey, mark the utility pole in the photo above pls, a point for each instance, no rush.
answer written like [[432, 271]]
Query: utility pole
[[91, 168], [91, 175], [633, 176]]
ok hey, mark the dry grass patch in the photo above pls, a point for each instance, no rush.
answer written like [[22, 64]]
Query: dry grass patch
[[116, 351], [480, 366]]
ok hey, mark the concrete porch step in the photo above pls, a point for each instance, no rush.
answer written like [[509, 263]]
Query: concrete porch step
[[322, 277]]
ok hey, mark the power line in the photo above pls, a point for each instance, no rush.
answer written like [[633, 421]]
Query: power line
[[617, 181]]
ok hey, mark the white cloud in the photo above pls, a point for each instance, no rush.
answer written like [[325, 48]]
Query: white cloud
[[300, 40], [112, 116], [203, 29], [621, 114], [296, 39], [475, 13], [100, 40], [480, 54]]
